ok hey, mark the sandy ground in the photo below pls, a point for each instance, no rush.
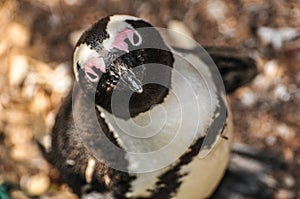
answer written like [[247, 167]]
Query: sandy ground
[[36, 42]]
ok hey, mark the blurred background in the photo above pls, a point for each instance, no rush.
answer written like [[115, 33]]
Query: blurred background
[[36, 44]]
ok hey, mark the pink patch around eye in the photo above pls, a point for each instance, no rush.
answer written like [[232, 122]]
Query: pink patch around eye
[[93, 64], [129, 34]]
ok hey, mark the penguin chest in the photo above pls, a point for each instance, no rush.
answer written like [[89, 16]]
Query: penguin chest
[[162, 145], [191, 176]]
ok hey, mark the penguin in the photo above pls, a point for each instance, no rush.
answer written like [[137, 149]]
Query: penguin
[[145, 120]]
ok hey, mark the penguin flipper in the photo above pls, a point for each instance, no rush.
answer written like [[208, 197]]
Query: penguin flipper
[[236, 68]]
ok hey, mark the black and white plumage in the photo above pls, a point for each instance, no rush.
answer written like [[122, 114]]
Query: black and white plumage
[[110, 68]]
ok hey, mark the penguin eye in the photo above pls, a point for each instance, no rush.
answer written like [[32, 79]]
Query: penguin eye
[[136, 39], [78, 66], [94, 67], [93, 76]]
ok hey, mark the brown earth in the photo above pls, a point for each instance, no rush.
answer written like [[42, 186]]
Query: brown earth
[[36, 51]]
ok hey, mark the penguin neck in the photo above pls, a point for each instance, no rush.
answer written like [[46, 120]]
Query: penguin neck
[[153, 68], [127, 104], [183, 114], [124, 103]]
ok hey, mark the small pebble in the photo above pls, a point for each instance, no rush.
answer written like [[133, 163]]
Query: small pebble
[[277, 36], [247, 97], [18, 34], [262, 83], [271, 140], [37, 184], [45, 141], [271, 69], [180, 35], [285, 131], [30, 85], [74, 36], [217, 10], [179, 26], [40, 103], [284, 194], [61, 79], [73, 2], [281, 92], [18, 70], [23, 152], [289, 181]]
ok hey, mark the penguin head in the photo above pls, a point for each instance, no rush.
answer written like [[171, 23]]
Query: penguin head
[[112, 55]]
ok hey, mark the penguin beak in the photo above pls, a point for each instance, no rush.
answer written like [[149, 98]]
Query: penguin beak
[[131, 81], [128, 77]]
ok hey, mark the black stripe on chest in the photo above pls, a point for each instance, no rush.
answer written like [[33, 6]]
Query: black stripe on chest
[[169, 182]]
